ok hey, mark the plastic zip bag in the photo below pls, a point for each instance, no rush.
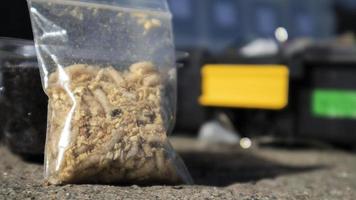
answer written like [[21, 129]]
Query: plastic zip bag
[[108, 68]]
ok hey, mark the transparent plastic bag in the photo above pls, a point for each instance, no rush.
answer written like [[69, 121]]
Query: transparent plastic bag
[[108, 68]]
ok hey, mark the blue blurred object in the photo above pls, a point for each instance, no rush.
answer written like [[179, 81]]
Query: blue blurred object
[[264, 17], [187, 15], [223, 24], [348, 4], [216, 25], [312, 19]]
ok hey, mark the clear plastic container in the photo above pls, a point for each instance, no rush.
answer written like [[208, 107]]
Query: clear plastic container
[[108, 68], [22, 102]]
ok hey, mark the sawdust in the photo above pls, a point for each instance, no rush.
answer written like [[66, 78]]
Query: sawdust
[[107, 126]]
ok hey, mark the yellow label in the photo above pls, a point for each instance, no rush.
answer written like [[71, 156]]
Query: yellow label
[[245, 86]]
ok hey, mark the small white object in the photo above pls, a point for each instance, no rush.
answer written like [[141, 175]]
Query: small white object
[[214, 132], [260, 47], [281, 34], [245, 143]]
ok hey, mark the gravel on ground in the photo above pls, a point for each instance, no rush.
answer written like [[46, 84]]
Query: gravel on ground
[[219, 171]]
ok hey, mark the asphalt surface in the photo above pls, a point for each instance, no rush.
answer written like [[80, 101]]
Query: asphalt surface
[[220, 172]]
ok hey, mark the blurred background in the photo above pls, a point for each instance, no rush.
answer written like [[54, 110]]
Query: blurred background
[[283, 69]]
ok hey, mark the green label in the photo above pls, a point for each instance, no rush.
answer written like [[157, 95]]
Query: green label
[[334, 103]]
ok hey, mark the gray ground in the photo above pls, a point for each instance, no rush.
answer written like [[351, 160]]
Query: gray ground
[[220, 173]]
